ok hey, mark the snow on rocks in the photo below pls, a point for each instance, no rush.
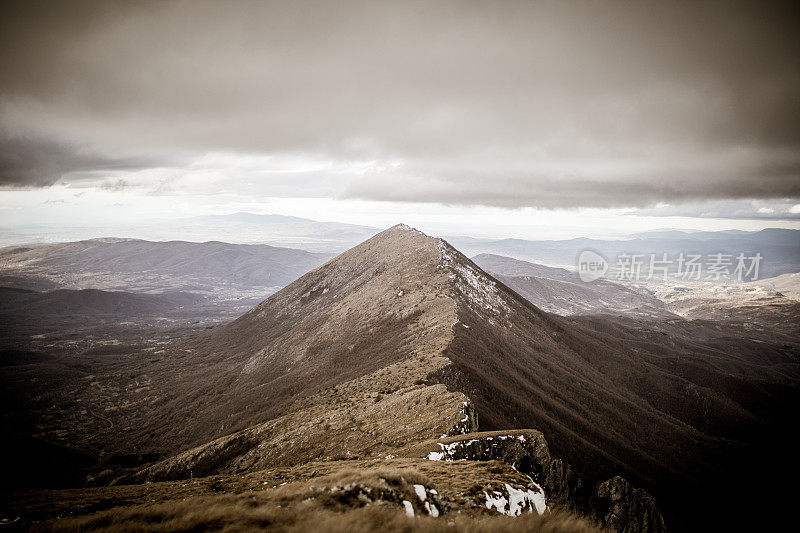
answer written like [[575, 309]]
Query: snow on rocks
[[525, 451], [436, 456], [427, 500], [409, 508], [467, 422], [432, 510], [449, 451], [426, 497], [514, 502]]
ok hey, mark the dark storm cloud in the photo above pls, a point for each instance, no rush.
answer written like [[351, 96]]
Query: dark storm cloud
[[26, 162], [550, 104]]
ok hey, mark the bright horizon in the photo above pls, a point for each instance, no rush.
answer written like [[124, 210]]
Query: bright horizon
[[112, 214]]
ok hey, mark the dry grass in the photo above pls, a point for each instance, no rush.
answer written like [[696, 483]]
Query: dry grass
[[296, 499], [248, 513]]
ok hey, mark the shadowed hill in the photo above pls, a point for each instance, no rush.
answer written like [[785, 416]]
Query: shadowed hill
[[90, 302], [140, 266]]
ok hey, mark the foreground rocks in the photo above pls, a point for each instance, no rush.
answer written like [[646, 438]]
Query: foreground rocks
[[614, 503], [626, 509]]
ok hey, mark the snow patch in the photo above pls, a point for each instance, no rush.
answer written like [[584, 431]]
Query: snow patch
[[517, 501], [409, 508], [497, 501], [435, 456], [532, 499], [432, 510]]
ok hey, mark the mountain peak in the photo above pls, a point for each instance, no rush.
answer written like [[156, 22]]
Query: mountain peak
[[405, 227], [381, 313]]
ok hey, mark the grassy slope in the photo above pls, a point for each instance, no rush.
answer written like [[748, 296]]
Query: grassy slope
[[293, 499]]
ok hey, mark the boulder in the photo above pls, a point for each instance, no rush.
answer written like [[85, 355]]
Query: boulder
[[626, 509]]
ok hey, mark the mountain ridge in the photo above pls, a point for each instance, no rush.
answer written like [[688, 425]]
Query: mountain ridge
[[523, 368], [402, 340]]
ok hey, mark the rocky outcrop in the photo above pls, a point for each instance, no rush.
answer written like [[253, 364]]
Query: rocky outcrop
[[564, 484], [513, 502], [467, 423], [626, 509], [614, 503], [524, 450], [416, 500]]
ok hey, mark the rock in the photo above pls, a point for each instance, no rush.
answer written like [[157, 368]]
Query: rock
[[563, 485], [525, 450], [614, 503], [468, 421], [513, 501], [626, 509], [416, 500]]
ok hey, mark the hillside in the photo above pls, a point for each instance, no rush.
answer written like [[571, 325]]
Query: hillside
[[90, 302], [786, 284], [213, 268], [402, 341], [508, 266], [376, 317], [28, 316], [751, 305], [311, 357], [560, 291]]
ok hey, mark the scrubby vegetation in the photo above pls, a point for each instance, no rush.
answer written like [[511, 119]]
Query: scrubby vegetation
[[347, 496], [247, 514], [349, 501]]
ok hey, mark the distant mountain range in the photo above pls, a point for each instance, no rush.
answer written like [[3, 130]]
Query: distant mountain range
[[780, 248], [212, 268], [241, 228], [560, 291]]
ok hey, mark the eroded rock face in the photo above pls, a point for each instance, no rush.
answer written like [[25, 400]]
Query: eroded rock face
[[626, 509], [564, 485], [614, 503], [468, 421], [524, 450]]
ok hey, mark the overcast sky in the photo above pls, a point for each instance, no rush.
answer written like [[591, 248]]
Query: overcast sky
[[646, 113]]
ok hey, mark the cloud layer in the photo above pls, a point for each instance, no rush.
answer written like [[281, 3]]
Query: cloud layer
[[546, 104]]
